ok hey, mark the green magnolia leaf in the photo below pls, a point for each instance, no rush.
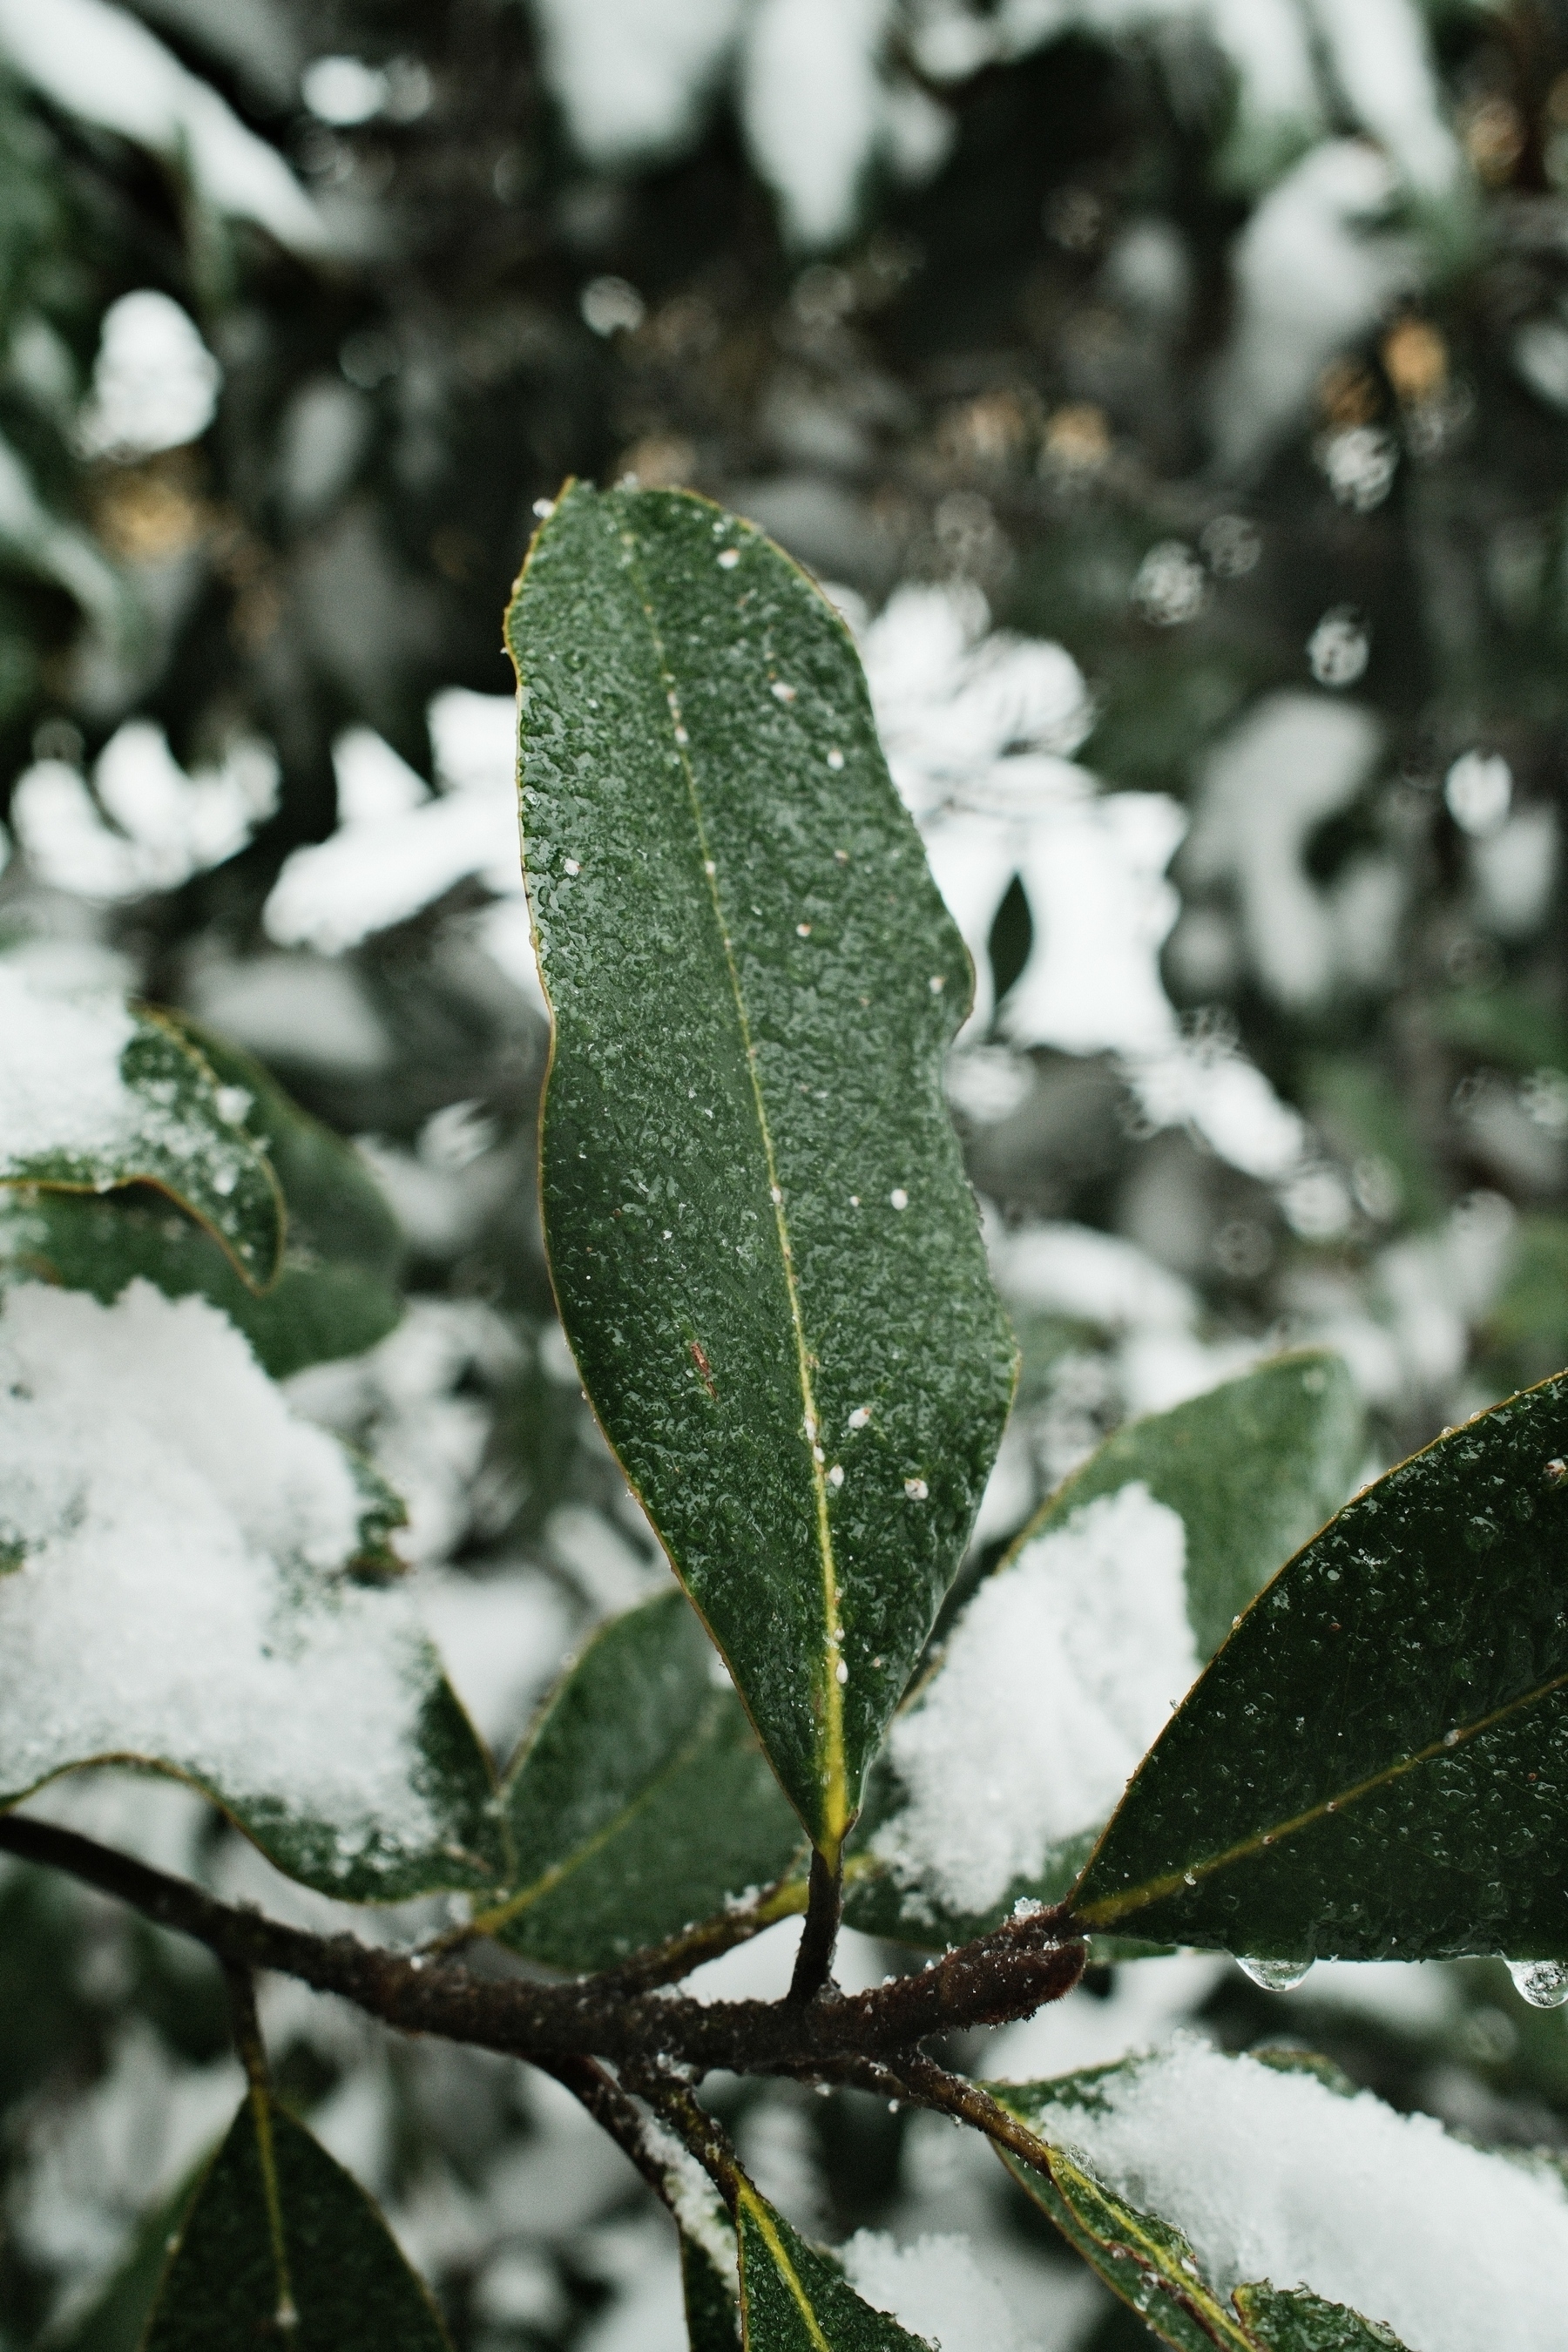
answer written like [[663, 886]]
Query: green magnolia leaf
[[1373, 1766], [641, 1801], [1146, 2261], [280, 2246], [767, 1259], [794, 2298], [336, 1293], [95, 1096], [1296, 2321], [1100, 1616], [198, 1582]]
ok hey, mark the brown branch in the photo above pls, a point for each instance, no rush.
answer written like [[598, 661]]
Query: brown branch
[[814, 1959], [1008, 1974]]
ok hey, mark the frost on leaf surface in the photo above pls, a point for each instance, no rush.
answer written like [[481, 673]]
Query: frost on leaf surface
[[178, 1546], [767, 1257], [94, 1096], [1269, 2173], [1060, 1673]]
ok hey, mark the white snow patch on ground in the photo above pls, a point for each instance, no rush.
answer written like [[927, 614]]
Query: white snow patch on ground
[[180, 1595], [1057, 1677], [1272, 2175]]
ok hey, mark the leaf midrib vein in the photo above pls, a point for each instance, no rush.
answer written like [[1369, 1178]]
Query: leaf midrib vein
[[830, 1748]]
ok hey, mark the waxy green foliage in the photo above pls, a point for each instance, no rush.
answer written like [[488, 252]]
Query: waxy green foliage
[[279, 2245], [794, 2298], [1252, 1468], [766, 1256], [641, 1801], [1147, 2260], [1374, 1764], [186, 1137]]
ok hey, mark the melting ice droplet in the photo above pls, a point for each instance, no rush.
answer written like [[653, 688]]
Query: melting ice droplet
[[1275, 1976], [1543, 1983]]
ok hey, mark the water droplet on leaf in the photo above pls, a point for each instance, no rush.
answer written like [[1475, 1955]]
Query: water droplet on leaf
[[1543, 1983], [1275, 1976]]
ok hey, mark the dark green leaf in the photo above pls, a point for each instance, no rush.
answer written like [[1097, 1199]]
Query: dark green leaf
[[312, 1313], [280, 2246], [1373, 1764], [1251, 1468], [768, 1262], [641, 1802], [794, 2298], [135, 1103], [1298, 2321]]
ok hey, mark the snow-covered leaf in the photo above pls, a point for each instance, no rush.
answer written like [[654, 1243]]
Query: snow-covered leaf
[[641, 1802], [767, 1258], [1369, 1768], [280, 2243], [1067, 1662], [195, 1581], [95, 1096], [1190, 2177], [336, 1292]]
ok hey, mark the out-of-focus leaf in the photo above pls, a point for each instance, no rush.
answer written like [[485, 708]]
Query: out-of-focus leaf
[[641, 1802], [1525, 1334], [794, 2298], [94, 1096], [196, 1580], [336, 1292], [1371, 1766], [279, 2244], [116, 2319], [768, 1262], [1251, 1469]]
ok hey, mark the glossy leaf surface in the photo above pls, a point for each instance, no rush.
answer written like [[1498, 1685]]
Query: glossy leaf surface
[[794, 2298], [767, 1259], [1149, 2262], [94, 1096], [1251, 1469], [280, 2246], [641, 1802], [1374, 1765]]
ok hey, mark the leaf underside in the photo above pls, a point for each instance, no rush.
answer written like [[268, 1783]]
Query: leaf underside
[[1149, 2264], [641, 1801], [767, 1260], [712, 2321], [794, 2298], [278, 2227], [1378, 1758], [1252, 1468]]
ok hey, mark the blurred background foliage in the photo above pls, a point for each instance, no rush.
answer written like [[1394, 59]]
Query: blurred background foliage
[[1176, 398]]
